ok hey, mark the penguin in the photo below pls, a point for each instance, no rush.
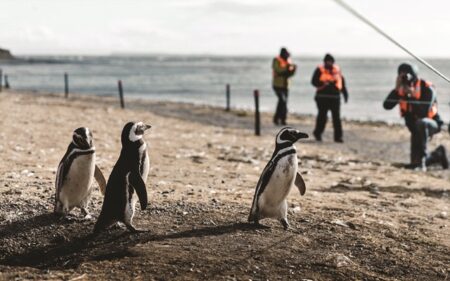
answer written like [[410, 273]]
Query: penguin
[[127, 179], [277, 179], [75, 175]]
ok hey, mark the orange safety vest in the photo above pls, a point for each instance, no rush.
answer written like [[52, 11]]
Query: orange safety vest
[[333, 76], [283, 63], [406, 106]]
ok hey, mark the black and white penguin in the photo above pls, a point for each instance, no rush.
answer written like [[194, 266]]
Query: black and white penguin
[[128, 177], [277, 179], [75, 174]]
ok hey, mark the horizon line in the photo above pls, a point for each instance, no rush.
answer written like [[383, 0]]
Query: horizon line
[[152, 54]]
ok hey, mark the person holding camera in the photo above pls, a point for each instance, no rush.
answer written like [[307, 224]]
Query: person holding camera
[[282, 69], [330, 83], [418, 106]]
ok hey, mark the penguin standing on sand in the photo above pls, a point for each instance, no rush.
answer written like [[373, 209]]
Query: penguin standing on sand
[[75, 174], [277, 179], [127, 178]]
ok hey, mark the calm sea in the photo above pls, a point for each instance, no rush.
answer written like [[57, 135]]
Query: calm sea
[[202, 79]]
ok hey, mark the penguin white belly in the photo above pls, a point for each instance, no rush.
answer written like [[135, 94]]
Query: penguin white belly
[[78, 182], [146, 169], [272, 201], [129, 207]]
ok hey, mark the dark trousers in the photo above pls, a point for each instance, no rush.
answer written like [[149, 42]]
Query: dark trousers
[[421, 130], [281, 111], [323, 105]]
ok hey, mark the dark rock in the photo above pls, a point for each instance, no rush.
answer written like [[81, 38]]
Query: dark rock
[[5, 54]]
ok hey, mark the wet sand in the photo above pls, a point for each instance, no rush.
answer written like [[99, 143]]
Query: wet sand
[[362, 217]]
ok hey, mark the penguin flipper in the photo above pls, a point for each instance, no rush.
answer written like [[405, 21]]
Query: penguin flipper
[[300, 183], [98, 175], [62, 169], [139, 186], [59, 172]]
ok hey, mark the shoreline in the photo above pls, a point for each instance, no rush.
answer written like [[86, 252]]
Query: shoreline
[[233, 109], [204, 81]]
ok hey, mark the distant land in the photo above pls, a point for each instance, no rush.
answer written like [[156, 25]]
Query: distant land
[[5, 54]]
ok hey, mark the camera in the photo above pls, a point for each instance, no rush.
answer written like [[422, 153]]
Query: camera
[[407, 79]]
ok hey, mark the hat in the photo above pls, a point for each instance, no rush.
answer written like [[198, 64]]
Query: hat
[[408, 69], [328, 57], [284, 53]]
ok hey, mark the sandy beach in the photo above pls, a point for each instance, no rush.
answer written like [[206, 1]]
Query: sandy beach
[[362, 217]]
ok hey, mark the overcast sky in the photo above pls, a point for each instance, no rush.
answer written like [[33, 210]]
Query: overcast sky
[[254, 27]]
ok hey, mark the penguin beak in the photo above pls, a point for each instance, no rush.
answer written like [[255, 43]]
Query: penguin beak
[[140, 130], [301, 135]]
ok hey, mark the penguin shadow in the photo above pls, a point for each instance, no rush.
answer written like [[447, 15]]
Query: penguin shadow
[[109, 245], [131, 239], [70, 253], [39, 221], [20, 226], [211, 231], [147, 235]]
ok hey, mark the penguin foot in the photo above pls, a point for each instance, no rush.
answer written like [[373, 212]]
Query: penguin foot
[[117, 225], [285, 224], [133, 229], [257, 225], [254, 221], [86, 214], [87, 217], [67, 219], [104, 223]]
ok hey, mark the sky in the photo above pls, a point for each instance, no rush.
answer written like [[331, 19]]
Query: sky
[[223, 27]]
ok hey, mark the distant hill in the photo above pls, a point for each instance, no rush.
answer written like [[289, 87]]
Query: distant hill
[[5, 54]]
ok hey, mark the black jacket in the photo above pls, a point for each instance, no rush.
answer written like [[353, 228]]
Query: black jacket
[[418, 110], [330, 91]]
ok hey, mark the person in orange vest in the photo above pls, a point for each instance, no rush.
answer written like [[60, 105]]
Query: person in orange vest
[[282, 69], [418, 106], [329, 83]]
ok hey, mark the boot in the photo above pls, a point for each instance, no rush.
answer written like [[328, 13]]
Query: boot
[[317, 136], [438, 156], [416, 167], [444, 159], [419, 166]]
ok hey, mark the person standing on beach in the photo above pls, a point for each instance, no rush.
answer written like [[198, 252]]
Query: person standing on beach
[[418, 106], [282, 69], [329, 83]]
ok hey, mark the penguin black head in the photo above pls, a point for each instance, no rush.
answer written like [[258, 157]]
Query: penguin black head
[[82, 138], [289, 135], [133, 131]]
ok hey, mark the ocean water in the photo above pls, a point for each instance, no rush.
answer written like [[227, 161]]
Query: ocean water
[[202, 79]]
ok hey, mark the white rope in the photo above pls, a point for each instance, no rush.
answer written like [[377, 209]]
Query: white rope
[[365, 20]]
